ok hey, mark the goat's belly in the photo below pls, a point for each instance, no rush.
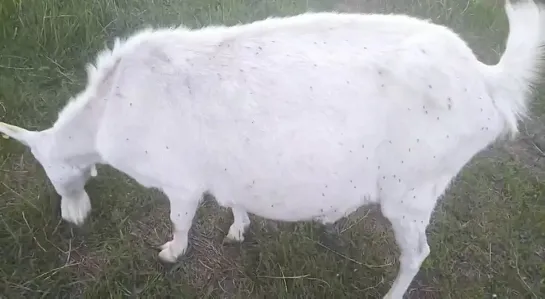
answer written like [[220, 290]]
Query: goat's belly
[[300, 201], [301, 207]]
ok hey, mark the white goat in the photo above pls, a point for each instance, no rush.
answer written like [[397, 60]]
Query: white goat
[[293, 119]]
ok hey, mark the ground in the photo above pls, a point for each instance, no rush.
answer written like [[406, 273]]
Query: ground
[[487, 236]]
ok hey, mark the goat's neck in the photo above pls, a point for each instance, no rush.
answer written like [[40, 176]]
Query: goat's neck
[[74, 141]]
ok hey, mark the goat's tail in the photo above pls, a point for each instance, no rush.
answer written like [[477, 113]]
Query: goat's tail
[[519, 68]]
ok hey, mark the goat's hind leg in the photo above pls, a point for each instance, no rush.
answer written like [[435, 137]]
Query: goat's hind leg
[[411, 238], [409, 215], [183, 206]]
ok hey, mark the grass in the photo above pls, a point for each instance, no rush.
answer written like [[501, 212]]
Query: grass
[[487, 236]]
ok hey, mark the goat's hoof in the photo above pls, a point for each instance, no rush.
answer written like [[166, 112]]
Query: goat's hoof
[[167, 256], [169, 253], [94, 171], [234, 237], [75, 210]]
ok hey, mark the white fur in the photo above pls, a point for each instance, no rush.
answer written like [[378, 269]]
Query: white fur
[[298, 118]]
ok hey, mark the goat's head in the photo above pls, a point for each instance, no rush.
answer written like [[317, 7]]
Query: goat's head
[[67, 177]]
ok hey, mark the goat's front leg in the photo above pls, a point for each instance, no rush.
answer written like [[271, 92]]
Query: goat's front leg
[[69, 184], [240, 225], [183, 206], [75, 206]]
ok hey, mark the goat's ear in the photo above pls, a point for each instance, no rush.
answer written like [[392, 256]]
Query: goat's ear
[[24, 136]]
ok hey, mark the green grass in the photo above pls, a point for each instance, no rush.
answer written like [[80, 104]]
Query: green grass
[[487, 236]]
